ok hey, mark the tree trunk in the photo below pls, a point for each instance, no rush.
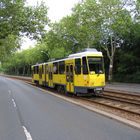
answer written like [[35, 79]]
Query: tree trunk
[[110, 70], [23, 71], [29, 70], [111, 58], [15, 72]]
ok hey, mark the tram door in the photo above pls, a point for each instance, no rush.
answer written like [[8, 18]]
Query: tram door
[[40, 75], [69, 78], [50, 76]]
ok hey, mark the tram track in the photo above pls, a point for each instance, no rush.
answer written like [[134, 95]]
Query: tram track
[[125, 100], [123, 95], [125, 107]]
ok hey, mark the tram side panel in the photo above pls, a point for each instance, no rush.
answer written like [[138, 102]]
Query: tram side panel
[[59, 77]]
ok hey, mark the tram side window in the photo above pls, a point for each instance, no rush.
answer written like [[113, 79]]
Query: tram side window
[[33, 70], [78, 66], [71, 73], [55, 68], [85, 68], [42, 69], [61, 67], [46, 68], [37, 69]]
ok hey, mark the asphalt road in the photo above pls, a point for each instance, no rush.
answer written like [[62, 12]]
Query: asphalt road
[[27, 113]]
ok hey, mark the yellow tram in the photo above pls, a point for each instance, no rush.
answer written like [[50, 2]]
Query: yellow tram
[[80, 73]]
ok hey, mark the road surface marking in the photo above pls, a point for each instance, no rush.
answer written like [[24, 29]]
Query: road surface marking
[[27, 133], [14, 102]]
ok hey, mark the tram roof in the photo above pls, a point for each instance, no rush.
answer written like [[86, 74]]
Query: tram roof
[[87, 52]]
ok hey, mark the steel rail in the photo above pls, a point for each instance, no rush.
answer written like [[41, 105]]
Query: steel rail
[[111, 106], [122, 93], [121, 99]]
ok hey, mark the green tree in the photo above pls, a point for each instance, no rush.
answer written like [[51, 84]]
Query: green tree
[[102, 24], [129, 56], [54, 42], [116, 22], [17, 20]]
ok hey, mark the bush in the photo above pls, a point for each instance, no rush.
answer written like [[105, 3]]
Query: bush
[[133, 78]]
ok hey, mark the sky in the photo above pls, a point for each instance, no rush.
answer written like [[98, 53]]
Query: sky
[[57, 10]]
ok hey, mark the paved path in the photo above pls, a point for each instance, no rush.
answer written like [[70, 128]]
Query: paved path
[[127, 87], [28, 113]]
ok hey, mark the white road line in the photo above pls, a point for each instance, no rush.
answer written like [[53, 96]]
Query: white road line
[[28, 135], [14, 103]]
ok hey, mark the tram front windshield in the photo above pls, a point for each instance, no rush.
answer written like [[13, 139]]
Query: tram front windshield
[[95, 65]]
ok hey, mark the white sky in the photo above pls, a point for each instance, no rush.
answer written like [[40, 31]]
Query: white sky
[[57, 10]]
